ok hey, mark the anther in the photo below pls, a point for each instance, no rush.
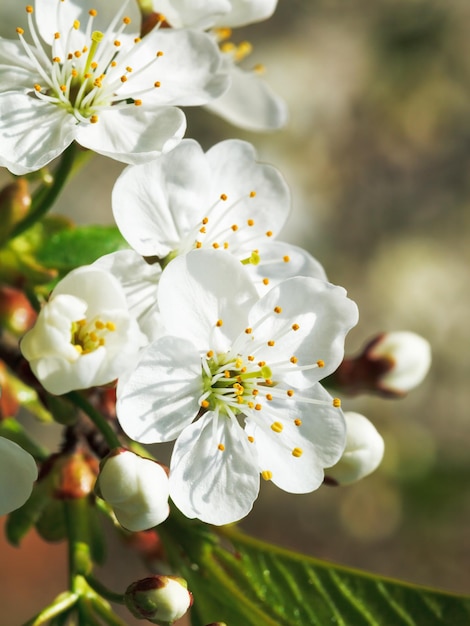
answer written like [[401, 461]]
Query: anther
[[157, 83], [298, 422], [63, 88], [266, 474], [138, 103], [251, 439], [269, 396], [205, 220], [277, 427], [271, 343], [117, 43], [250, 222], [126, 20], [269, 233], [248, 331], [252, 194], [111, 326], [56, 35], [290, 393], [159, 53], [320, 363], [198, 244], [297, 452], [56, 59], [93, 119], [286, 259], [219, 323], [76, 24], [265, 281], [223, 196], [205, 404], [29, 9], [123, 79], [221, 447], [215, 245], [251, 357], [20, 31], [210, 354], [37, 87], [277, 309], [234, 227], [295, 327], [93, 12], [336, 403], [293, 359], [258, 407]]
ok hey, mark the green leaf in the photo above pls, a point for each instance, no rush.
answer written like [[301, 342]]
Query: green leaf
[[245, 581], [71, 248]]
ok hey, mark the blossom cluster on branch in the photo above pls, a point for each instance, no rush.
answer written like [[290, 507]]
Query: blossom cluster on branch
[[211, 331]]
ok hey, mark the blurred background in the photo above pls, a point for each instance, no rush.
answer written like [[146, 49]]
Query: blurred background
[[377, 155]]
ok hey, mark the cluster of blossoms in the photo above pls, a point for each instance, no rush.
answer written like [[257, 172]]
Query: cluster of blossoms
[[215, 333]]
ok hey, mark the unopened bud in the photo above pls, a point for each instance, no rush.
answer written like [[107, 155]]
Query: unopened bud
[[363, 452], [74, 475], [15, 201], [136, 488], [390, 365], [158, 599], [16, 313]]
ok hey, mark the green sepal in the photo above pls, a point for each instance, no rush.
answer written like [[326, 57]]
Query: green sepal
[[20, 521]]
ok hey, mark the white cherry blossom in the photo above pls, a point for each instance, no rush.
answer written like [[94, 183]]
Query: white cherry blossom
[[80, 71], [235, 380], [84, 335], [249, 102], [222, 199], [18, 471]]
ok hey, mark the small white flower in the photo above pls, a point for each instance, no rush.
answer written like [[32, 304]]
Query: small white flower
[[249, 102], [18, 471], [222, 199], [84, 335], [363, 453], [158, 599], [408, 356], [136, 488], [235, 380], [86, 75]]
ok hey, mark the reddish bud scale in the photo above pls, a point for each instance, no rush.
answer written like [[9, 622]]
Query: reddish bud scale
[[74, 475], [15, 202], [16, 313], [9, 404]]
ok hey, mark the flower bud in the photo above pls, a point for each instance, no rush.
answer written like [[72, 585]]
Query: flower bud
[[74, 474], [390, 365], [158, 599], [135, 487], [18, 471], [16, 313], [363, 452], [15, 201]]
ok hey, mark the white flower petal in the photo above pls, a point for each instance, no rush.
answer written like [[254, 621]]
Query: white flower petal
[[32, 132], [197, 14], [133, 135], [22, 74], [218, 486], [323, 314], [295, 439], [156, 204], [57, 16], [279, 261], [250, 103], [188, 71], [247, 12], [139, 281], [18, 472], [205, 296], [160, 397]]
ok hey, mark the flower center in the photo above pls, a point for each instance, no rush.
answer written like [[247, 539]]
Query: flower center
[[88, 336], [231, 384], [84, 68]]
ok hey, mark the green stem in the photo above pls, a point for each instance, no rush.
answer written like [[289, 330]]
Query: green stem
[[104, 592], [46, 196], [105, 612], [61, 603], [77, 523], [98, 420]]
